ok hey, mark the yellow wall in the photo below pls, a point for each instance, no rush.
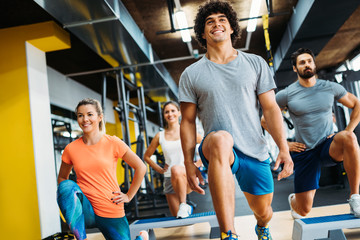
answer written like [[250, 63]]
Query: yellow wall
[[19, 212]]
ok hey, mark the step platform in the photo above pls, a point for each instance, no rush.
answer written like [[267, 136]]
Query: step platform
[[326, 227], [151, 223]]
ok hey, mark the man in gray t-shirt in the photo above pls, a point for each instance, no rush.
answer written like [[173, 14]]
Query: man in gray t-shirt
[[309, 102], [226, 88]]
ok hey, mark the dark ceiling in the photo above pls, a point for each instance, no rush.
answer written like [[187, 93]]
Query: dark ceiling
[[153, 17]]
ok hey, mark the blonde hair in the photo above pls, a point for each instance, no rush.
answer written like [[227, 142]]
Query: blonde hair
[[163, 111], [98, 108]]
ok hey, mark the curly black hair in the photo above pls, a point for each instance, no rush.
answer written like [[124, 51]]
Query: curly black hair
[[298, 52], [212, 7]]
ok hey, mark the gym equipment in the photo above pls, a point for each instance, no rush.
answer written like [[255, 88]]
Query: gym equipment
[[150, 224], [327, 227], [126, 88], [270, 58]]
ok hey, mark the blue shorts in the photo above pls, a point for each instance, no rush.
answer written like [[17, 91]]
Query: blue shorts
[[253, 176], [307, 166]]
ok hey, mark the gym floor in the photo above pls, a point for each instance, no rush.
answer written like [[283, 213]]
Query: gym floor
[[330, 193], [329, 200]]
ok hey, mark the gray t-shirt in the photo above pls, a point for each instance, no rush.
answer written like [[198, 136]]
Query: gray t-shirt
[[311, 109], [226, 98]]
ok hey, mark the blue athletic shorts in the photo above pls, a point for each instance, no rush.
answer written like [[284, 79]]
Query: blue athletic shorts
[[253, 176], [307, 166]]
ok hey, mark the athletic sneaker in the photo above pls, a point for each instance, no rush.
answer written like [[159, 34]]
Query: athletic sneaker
[[354, 202], [229, 236], [294, 214], [263, 233], [185, 210]]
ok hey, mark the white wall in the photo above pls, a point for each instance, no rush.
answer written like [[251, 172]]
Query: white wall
[[43, 141], [66, 93]]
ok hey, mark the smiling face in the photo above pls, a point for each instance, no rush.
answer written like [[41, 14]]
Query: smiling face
[[305, 66], [171, 113], [217, 29], [88, 118]]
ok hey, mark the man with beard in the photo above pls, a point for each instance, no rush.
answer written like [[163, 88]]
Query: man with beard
[[309, 102]]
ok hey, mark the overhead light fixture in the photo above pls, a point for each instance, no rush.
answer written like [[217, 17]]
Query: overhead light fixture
[[182, 23], [254, 12], [355, 63]]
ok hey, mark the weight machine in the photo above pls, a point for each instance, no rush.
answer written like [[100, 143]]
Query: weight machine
[[125, 89]]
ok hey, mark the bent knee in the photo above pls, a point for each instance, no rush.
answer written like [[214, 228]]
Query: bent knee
[[67, 183], [348, 138], [351, 139], [177, 170], [264, 213], [220, 139], [218, 142], [304, 210], [67, 186]]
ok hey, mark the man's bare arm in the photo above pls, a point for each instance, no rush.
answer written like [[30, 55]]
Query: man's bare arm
[[188, 143], [274, 125]]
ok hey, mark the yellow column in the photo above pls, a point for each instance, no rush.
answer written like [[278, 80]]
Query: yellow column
[[19, 203]]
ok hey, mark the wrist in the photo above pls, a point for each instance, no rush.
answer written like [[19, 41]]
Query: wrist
[[284, 146], [186, 162], [129, 197]]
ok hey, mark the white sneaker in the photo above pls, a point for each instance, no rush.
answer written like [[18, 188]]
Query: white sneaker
[[143, 235], [354, 202], [294, 214], [185, 210]]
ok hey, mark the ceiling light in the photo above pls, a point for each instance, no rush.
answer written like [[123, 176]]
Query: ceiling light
[[355, 62], [182, 23], [254, 12]]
